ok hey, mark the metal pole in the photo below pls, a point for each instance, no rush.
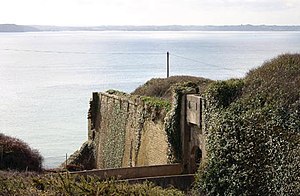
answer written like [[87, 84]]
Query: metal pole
[[66, 160], [1, 152], [168, 64]]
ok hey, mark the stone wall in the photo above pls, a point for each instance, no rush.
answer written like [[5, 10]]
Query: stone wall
[[196, 126], [127, 131]]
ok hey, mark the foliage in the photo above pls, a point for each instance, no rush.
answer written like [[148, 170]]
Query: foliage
[[172, 120], [253, 143], [162, 87], [113, 149], [66, 184], [277, 80], [116, 92], [222, 93], [156, 102], [17, 155]]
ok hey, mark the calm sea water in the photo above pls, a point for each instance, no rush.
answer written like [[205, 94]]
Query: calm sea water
[[46, 78]]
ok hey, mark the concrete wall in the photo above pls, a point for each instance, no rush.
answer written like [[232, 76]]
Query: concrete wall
[[194, 131], [135, 172], [127, 132], [162, 175]]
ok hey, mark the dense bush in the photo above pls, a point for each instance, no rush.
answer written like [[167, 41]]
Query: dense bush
[[253, 143], [17, 155], [223, 93], [66, 184], [161, 87]]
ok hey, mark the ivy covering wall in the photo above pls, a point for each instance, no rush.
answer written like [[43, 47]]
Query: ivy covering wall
[[113, 148], [172, 120], [122, 126], [254, 132]]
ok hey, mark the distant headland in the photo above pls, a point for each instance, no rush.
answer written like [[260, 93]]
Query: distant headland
[[17, 28], [247, 27]]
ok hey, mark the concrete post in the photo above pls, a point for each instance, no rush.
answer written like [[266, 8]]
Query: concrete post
[[185, 136]]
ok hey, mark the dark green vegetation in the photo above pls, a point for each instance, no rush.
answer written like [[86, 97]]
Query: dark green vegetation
[[17, 155], [66, 184], [172, 120], [254, 132], [113, 149], [153, 101], [162, 87], [156, 102]]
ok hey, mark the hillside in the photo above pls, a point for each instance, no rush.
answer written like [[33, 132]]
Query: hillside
[[162, 87], [17, 28], [248, 27], [172, 28], [254, 132]]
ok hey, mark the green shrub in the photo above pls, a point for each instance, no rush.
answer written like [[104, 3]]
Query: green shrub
[[66, 184], [156, 102], [222, 93], [162, 87], [253, 143], [172, 120], [116, 92], [17, 155], [277, 80]]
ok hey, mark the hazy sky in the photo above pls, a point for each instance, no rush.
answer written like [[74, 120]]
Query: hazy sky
[[149, 12]]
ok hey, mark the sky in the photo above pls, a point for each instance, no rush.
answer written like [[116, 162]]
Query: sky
[[149, 12]]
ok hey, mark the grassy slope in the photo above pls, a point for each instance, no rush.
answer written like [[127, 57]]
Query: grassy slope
[[161, 87]]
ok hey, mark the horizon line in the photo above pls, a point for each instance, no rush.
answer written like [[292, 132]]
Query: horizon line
[[154, 25]]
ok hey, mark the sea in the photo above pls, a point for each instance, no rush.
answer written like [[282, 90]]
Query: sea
[[47, 78]]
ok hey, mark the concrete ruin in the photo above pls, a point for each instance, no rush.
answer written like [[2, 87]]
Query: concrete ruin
[[127, 131]]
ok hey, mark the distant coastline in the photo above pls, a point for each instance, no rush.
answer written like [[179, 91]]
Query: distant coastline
[[248, 27]]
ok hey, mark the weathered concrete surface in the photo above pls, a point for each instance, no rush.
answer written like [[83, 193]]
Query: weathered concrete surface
[[194, 110], [161, 175], [82, 159], [134, 172], [126, 132], [193, 134], [195, 130]]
